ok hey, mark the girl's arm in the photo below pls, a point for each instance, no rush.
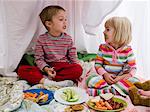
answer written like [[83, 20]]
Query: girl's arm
[[99, 62], [109, 78], [132, 66], [131, 62]]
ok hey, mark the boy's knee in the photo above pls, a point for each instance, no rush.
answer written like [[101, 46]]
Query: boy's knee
[[79, 70]]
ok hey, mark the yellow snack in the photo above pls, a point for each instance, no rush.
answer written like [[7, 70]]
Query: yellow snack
[[43, 98], [77, 107]]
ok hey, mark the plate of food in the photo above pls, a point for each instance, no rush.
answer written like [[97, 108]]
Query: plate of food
[[112, 104], [40, 96], [71, 95]]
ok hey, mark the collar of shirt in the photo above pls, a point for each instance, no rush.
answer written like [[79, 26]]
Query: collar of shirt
[[115, 52]]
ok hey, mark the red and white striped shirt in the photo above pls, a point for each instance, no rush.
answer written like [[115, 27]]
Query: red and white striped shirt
[[54, 49]]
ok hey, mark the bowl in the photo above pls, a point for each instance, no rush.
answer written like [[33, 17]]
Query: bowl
[[119, 100], [45, 91]]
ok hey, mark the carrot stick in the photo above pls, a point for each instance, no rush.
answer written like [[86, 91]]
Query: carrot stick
[[108, 105]]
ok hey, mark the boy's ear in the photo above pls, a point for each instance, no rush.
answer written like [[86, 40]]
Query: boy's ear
[[48, 23]]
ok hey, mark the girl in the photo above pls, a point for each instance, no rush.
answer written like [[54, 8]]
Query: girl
[[115, 62]]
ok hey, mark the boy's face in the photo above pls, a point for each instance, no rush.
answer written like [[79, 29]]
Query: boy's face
[[109, 34], [58, 24]]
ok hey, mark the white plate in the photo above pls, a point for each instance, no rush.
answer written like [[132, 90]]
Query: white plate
[[83, 96]]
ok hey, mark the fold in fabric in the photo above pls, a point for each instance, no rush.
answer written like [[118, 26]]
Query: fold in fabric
[[95, 12]]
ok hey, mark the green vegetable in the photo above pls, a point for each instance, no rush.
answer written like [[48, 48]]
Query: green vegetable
[[64, 96], [70, 95], [74, 98]]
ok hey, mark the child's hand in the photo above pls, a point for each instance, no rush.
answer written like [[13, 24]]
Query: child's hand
[[118, 78], [51, 72], [124, 76], [144, 93], [109, 78]]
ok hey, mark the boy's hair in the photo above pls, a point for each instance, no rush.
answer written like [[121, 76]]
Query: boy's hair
[[123, 31], [48, 13]]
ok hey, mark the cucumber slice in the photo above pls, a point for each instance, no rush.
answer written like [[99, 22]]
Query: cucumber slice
[[73, 93], [64, 97], [74, 98], [69, 95]]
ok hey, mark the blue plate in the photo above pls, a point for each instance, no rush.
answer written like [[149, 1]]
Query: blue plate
[[45, 91]]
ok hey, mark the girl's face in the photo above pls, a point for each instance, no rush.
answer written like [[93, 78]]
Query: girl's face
[[58, 24], [109, 34]]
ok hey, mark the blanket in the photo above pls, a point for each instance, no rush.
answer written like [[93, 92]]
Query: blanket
[[88, 68], [11, 95]]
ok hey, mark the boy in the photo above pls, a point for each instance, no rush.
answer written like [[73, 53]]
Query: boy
[[55, 53]]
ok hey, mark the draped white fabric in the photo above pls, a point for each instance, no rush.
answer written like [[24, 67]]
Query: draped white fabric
[[94, 14], [20, 24]]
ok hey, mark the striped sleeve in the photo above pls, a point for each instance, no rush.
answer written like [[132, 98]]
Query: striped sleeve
[[39, 55], [72, 53], [131, 61], [99, 62]]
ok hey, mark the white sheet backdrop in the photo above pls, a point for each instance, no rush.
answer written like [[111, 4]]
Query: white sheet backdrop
[[20, 24]]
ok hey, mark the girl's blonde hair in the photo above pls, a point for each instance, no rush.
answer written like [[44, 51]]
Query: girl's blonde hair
[[122, 30]]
